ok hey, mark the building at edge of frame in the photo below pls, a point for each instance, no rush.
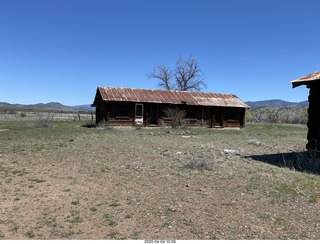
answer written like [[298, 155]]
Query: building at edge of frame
[[312, 81]]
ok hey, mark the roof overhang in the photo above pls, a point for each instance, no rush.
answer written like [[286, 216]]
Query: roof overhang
[[307, 80]]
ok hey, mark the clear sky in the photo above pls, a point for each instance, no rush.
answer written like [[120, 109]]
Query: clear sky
[[61, 50]]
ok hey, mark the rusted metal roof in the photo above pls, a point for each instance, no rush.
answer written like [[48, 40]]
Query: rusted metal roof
[[306, 80], [170, 97]]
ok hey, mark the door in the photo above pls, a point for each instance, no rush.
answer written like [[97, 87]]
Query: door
[[138, 118], [217, 117], [153, 114]]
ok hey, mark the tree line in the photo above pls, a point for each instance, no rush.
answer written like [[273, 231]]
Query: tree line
[[281, 115]]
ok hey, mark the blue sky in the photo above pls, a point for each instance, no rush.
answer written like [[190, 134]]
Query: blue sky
[[61, 50]]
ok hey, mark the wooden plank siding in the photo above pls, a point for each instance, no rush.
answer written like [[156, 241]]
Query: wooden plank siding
[[123, 114]]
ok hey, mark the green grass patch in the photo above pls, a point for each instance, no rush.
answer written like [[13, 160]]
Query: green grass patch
[[30, 234], [74, 217], [313, 199], [93, 209], [75, 202], [109, 219], [36, 180]]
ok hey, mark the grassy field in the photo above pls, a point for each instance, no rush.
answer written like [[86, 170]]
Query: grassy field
[[69, 181]]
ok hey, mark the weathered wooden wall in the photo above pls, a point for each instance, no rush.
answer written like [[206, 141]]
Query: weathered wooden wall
[[123, 114], [314, 118]]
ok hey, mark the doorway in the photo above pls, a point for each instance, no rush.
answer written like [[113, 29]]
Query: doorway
[[217, 117], [153, 120], [138, 114]]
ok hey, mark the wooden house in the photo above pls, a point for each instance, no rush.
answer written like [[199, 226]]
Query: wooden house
[[130, 107], [312, 81]]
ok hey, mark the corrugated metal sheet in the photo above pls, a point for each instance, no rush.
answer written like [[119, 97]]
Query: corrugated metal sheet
[[306, 80], [170, 97]]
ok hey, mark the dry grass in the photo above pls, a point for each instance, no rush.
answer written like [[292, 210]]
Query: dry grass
[[72, 182]]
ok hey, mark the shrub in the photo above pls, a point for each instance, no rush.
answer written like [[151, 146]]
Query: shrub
[[110, 221], [175, 116], [197, 163], [45, 119]]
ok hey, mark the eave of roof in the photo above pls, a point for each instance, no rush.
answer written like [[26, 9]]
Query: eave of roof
[[170, 97], [306, 80]]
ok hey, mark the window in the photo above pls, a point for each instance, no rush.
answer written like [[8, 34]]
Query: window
[[139, 110]]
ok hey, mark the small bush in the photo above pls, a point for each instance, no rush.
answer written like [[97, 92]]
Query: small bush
[[74, 217], [104, 125], [30, 234], [196, 163], [110, 221], [75, 202], [175, 116], [256, 142], [93, 209], [45, 119], [11, 111], [313, 199]]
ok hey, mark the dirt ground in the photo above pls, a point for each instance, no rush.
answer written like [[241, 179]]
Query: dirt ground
[[69, 181]]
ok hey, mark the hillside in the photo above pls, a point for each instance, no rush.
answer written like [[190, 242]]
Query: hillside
[[276, 103], [56, 106], [52, 106]]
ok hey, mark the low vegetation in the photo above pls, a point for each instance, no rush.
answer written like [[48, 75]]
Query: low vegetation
[[280, 115], [72, 181], [175, 116]]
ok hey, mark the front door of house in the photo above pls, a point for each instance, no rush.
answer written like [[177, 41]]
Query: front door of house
[[217, 117], [138, 118]]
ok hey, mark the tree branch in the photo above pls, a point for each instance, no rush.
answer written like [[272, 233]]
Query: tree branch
[[164, 74]]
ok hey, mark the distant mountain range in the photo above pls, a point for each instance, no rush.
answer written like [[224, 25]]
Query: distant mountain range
[[55, 106], [276, 103]]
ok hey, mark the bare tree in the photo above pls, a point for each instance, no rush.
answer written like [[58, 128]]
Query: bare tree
[[164, 74], [187, 76]]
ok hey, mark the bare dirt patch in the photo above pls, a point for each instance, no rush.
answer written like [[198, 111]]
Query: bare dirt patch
[[72, 182]]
